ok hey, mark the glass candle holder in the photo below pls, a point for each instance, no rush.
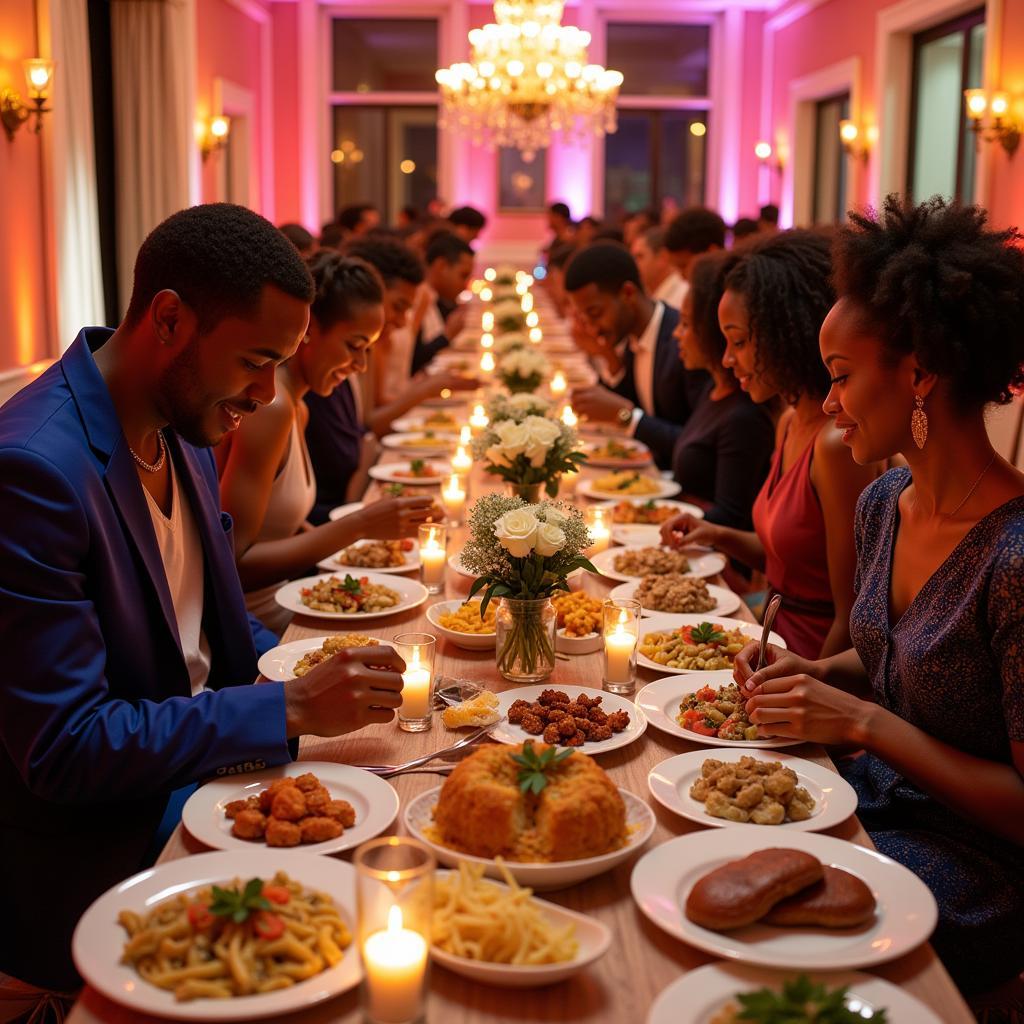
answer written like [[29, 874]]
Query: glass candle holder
[[433, 539], [487, 340], [487, 362], [558, 385], [417, 651], [569, 418], [621, 619], [479, 421], [454, 494], [462, 461], [487, 321], [536, 335], [599, 528], [395, 901]]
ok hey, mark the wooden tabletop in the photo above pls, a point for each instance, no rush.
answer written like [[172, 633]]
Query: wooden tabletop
[[643, 960]]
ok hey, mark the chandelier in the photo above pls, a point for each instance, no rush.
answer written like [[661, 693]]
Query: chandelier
[[528, 79]]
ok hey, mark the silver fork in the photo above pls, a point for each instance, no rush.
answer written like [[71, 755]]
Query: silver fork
[[384, 770]]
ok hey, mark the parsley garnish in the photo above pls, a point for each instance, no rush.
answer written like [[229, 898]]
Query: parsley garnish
[[239, 905], [416, 467], [533, 776], [352, 585], [706, 633], [802, 1002]]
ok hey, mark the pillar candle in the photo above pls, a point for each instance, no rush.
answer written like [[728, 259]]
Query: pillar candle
[[395, 960]]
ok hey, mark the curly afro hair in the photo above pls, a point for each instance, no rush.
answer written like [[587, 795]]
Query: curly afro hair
[[343, 285], [393, 260], [707, 284], [932, 280], [786, 283], [218, 257]]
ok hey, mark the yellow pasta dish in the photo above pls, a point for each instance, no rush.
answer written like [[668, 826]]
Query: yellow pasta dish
[[706, 647], [348, 596], [330, 647], [466, 619], [625, 482], [239, 940]]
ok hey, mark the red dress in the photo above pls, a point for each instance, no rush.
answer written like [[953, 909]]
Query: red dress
[[788, 519]]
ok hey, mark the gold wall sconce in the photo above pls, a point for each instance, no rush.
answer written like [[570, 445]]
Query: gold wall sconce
[[14, 111], [767, 156], [212, 134], [857, 143], [1001, 126]]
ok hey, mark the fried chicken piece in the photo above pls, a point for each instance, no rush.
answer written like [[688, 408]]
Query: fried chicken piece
[[552, 735], [710, 766], [567, 726], [532, 724], [266, 797], [699, 790], [576, 710], [548, 697], [618, 720], [235, 807], [317, 799], [720, 806], [597, 716], [516, 710], [308, 782], [341, 810], [726, 782], [600, 732], [554, 715], [288, 804], [282, 833], [768, 812], [750, 795], [587, 702], [780, 786], [576, 740], [319, 830], [249, 824]]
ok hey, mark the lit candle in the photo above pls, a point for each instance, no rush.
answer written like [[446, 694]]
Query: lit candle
[[536, 335], [618, 650], [558, 387], [395, 960], [415, 688], [487, 362], [486, 294], [461, 460], [465, 435], [490, 274], [479, 420], [453, 496], [527, 303], [521, 288], [597, 527], [432, 557], [487, 321], [486, 340], [569, 418], [532, 319]]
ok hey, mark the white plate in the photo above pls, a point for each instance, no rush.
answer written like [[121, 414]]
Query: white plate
[[727, 601], [834, 798], [411, 594], [412, 562], [904, 917], [374, 800], [343, 510], [660, 703], [666, 488], [279, 663], [640, 458], [661, 623], [387, 472], [419, 812], [707, 989], [703, 564], [470, 641], [418, 424], [99, 940], [506, 732], [593, 940], [678, 506], [445, 443]]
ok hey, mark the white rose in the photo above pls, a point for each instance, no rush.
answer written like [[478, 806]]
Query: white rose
[[497, 456], [541, 435], [550, 539], [512, 437], [516, 531], [554, 517], [524, 401]]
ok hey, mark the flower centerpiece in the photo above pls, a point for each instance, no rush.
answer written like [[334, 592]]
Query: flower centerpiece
[[529, 454], [521, 370], [510, 342], [505, 274], [517, 407], [522, 554], [509, 316]]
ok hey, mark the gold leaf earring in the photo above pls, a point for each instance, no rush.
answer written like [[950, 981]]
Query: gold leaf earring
[[919, 422]]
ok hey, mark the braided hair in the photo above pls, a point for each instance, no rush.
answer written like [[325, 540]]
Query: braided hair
[[343, 284], [785, 281], [933, 280]]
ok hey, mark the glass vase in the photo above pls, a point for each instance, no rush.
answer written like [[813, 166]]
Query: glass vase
[[525, 649], [530, 493]]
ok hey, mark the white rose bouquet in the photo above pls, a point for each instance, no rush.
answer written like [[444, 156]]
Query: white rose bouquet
[[521, 370], [532, 450], [517, 407], [506, 343], [509, 316]]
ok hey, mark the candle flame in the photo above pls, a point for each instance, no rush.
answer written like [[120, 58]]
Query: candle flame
[[535, 335], [487, 362], [569, 418], [395, 918], [466, 435], [486, 340]]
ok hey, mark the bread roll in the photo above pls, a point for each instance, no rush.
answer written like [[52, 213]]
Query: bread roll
[[839, 900], [743, 891]]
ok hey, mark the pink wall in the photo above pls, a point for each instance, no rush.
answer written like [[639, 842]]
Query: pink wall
[[1006, 195], [748, 79], [25, 321], [284, 35]]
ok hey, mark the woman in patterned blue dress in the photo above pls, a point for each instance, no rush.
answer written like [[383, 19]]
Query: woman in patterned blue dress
[[928, 331]]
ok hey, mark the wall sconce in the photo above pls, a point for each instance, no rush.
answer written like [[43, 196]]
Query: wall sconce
[[213, 134], [13, 110], [855, 143], [1004, 128], [765, 153]]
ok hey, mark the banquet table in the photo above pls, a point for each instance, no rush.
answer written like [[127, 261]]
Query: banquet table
[[621, 986]]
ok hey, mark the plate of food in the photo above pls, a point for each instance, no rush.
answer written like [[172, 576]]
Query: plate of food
[[717, 993], [627, 482], [568, 716], [344, 510], [579, 623], [709, 712], [573, 824], [295, 659], [418, 471], [617, 454], [673, 596], [493, 932], [114, 940], [437, 419], [696, 644], [820, 902], [422, 442], [737, 789], [318, 806], [460, 622], [350, 597], [379, 555], [637, 561]]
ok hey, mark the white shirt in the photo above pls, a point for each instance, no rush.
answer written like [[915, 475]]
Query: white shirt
[[672, 290], [643, 359], [182, 553]]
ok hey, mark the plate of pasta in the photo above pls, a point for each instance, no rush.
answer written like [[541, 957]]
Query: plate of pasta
[[704, 644], [292, 949], [348, 597], [498, 933], [295, 659], [627, 483]]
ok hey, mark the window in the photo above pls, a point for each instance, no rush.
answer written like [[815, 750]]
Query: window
[[947, 60], [384, 146], [830, 169], [658, 59]]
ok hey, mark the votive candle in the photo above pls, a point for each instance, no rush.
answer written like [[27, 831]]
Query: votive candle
[[432, 556], [621, 632], [536, 335], [453, 497], [487, 321], [461, 461], [527, 302], [417, 650], [558, 385], [532, 319], [479, 421], [395, 960], [486, 294], [569, 418], [597, 527], [466, 435], [486, 340], [487, 362]]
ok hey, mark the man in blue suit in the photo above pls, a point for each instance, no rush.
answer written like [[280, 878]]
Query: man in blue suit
[[129, 651], [646, 389]]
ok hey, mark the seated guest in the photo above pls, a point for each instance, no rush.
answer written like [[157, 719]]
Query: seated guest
[[357, 219], [775, 299], [299, 237], [635, 225], [586, 231], [743, 230], [554, 280], [560, 224], [449, 263], [722, 454], [645, 388], [267, 481], [768, 219], [658, 273], [925, 335], [332, 236], [119, 597], [467, 222], [407, 216], [695, 231]]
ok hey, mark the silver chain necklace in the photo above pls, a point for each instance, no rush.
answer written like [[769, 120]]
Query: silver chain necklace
[[152, 467]]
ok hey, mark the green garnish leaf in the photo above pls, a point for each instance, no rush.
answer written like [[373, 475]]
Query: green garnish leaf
[[351, 584], [416, 467], [534, 767], [237, 905], [706, 633], [802, 1002]]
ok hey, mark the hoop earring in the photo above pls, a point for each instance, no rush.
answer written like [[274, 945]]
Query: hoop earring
[[919, 422]]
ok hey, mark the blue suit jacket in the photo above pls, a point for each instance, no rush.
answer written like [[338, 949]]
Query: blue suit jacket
[[97, 718]]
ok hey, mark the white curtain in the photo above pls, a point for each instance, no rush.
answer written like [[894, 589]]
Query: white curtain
[[152, 46]]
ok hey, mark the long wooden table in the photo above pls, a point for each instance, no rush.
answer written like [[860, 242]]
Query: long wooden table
[[643, 960]]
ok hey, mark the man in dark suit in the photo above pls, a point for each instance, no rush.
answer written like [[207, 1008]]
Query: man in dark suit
[[646, 389], [129, 648]]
